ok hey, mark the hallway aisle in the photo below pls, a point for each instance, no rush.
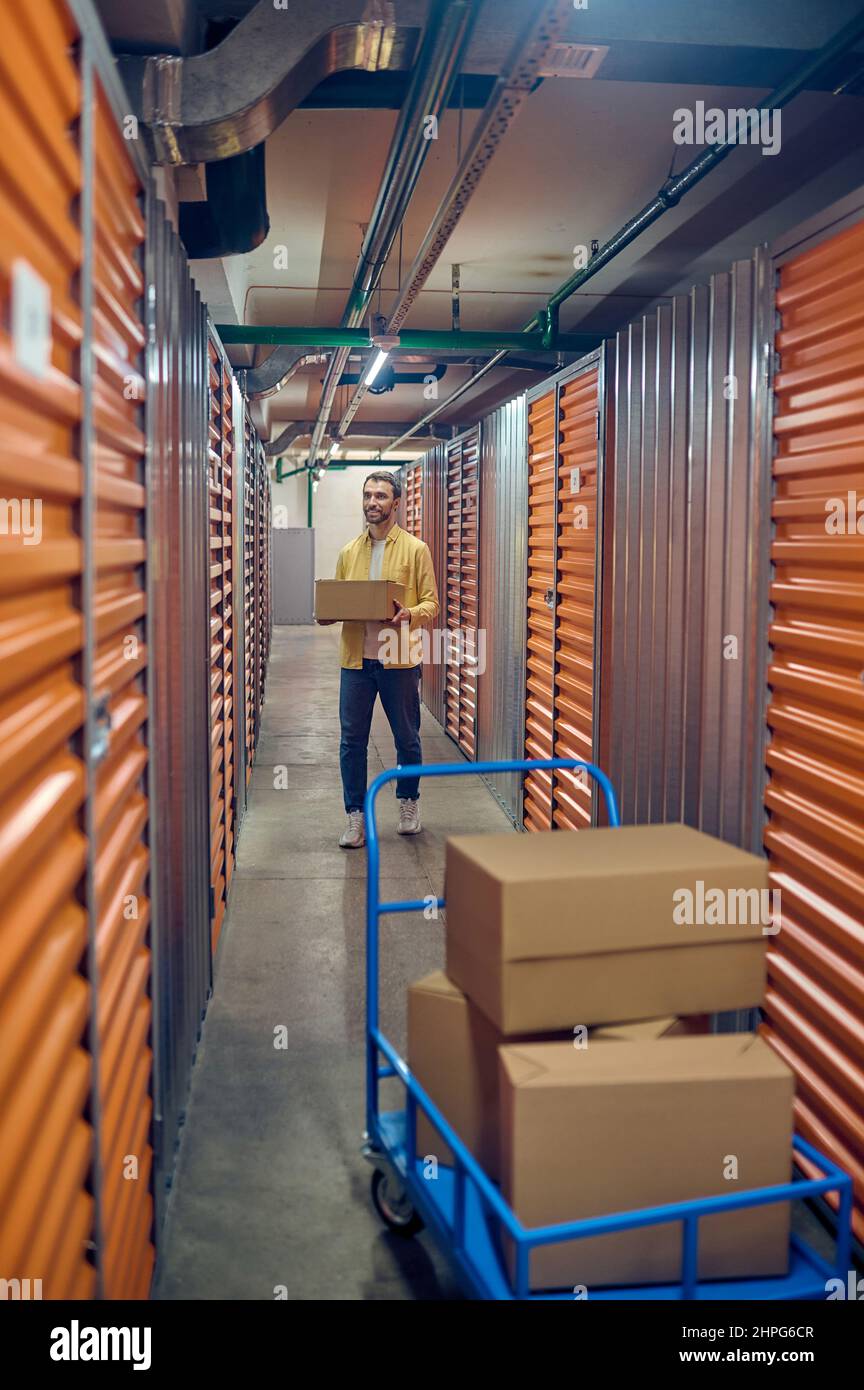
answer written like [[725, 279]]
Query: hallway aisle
[[270, 1188]]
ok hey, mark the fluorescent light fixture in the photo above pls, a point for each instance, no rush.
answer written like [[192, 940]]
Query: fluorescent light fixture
[[377, 363]]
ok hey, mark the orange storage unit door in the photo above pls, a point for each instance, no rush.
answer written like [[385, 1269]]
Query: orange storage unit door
[[563, 490], [262, 578], [463, 496], [221, 641], [453, 602], [46, 1140], [250, 613], [469, 606], [120, 684], [575, 595], [266, 587], [814, 835], [542, 510], [413, 499], [435, 536], [229, 483]]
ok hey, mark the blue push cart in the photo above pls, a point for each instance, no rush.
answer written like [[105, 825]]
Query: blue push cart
[[467, 1212]]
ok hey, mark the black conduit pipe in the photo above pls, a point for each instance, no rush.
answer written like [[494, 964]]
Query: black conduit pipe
[[672, 192]]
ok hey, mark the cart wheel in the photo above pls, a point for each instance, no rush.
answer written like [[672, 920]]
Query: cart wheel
[[393, 1206]]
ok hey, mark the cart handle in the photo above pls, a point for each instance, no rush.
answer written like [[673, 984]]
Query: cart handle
[[473, 769], [374, 907]]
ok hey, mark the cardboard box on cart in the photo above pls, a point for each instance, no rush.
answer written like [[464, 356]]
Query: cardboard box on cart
[[453, 1052], [362, 600], [614, 1128], [548, 931]]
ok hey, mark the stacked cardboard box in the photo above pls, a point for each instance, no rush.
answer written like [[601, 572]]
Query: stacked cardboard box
[[552, 940], [453, 1052], [367, 600]]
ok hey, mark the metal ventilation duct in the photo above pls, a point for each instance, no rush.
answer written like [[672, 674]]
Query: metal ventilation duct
[[228, 100]]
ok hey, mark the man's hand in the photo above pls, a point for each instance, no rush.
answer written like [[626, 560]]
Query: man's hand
[[402, 615]]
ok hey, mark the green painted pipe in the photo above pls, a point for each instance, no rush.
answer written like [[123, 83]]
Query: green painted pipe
[[304, 468], [309, 496], [302, 337], [675, 188], [432, 340], [281, 477]]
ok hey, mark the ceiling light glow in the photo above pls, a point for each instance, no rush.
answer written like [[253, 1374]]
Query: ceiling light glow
[[377, 363]]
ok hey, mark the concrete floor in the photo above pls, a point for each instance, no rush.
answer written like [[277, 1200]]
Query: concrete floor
[[270, 1188]]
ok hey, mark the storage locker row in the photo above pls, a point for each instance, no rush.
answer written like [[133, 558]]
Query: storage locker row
[[652, 522], [119, 647], [412, 498]]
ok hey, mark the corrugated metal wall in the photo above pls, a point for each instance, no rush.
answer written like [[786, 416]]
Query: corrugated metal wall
[[814, 797], [685, 528], [119, 689], [503, 512], [434, 487], [177, 487]]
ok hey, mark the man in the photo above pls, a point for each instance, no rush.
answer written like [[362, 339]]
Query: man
[[383, 658]]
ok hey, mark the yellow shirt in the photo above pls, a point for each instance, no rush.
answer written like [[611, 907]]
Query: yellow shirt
[[406, 561]]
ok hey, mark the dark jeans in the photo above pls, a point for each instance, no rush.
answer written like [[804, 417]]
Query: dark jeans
[[400, 696]]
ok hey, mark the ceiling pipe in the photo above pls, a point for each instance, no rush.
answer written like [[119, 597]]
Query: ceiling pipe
[[454, 396], [220, 103], [280, 477], [416, 339], [283, 477], [370, 429], [544, 26], [428, 371], [276, 371], [672, 191], [433, 372], [293, 430], [541, 362], [258, 382], [439, 61], [211, 105], [233, 219]]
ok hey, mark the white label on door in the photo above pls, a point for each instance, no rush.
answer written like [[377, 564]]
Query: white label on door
[[575, 480], [31, 319]]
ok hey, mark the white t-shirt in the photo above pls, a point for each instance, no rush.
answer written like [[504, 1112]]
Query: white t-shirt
[[372, 640]]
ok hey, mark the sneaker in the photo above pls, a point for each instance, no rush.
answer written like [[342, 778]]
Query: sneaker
[[409, 817], [354, 835]]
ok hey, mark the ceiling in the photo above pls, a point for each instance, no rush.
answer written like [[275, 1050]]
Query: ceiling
[[579, 160]]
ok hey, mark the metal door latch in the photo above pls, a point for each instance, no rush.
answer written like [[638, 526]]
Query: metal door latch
[[101, 730], [550, 599]]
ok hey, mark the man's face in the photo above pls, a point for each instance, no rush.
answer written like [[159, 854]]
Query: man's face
[[378, 501]]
